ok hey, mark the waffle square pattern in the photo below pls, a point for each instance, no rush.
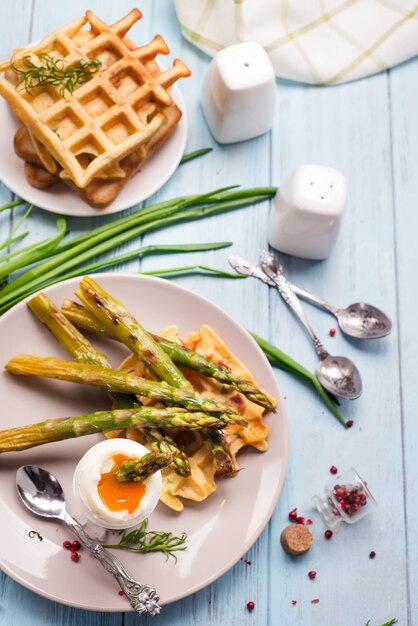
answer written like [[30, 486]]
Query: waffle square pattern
[[86, 131]]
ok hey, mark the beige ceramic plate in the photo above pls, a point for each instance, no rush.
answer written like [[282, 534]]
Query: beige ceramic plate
[[61, 199], [219, 530]]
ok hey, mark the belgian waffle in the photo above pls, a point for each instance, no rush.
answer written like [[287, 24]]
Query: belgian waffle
[[82, 134], [101, 191]]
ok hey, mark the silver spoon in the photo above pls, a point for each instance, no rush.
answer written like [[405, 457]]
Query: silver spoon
[[41, 492], [359, 320], [337, 374]]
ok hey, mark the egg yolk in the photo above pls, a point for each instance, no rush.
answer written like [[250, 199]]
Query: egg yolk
[[118, 496]]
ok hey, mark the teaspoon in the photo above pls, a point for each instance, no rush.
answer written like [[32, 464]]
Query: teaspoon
[[41, 492], [337, 374], [359, 320]]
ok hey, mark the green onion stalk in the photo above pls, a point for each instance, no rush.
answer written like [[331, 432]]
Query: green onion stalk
[[279, 359], [74, 254]]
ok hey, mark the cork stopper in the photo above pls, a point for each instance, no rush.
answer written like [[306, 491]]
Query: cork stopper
[[296, 539]]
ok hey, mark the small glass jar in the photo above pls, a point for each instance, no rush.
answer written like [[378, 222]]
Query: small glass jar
[[348, 499]]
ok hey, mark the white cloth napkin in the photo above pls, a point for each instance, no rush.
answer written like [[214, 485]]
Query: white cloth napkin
[[314, 41]]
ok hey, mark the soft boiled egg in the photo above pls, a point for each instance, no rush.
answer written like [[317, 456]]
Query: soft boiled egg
[[107, 502]]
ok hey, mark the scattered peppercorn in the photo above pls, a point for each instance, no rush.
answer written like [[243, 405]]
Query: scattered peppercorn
[[74, 556], [372, 554], [66, 544], [300, 520], [247, 562], [293, 515], [250, 606], [349, 423], [294, 602], [309, 522], [75, 545], [350, 498], [333, 469], [121, 593], [332, 332], [315, 601], [312, 574], [328, 534]]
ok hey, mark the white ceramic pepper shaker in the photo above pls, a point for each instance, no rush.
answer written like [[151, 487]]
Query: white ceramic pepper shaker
[[306, 216], [239, 93]]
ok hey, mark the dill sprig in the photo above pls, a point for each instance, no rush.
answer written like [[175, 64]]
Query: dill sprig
[[54, 72], [143, 540]]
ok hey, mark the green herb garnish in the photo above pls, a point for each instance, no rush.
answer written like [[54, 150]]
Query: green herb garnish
[[143, 540], [34, 533], [194, 155], [10, 205], [389, 623], [193, 269], [66, 257], [54, 72], [279, 359]]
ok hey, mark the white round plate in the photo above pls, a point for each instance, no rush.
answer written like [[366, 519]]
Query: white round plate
[[220, 530], [61, 199]]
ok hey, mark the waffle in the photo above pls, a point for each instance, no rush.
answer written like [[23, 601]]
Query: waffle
[[82, 134], [100, 192], [201, 483]]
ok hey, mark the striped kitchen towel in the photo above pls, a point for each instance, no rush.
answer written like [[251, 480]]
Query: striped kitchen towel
[[313, 41]]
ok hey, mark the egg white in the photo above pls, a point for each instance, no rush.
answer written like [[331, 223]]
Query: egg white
[[99, 460]]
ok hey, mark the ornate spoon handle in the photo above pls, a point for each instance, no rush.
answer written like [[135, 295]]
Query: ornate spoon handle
[[143, 599], [289, 296], [243, 265]]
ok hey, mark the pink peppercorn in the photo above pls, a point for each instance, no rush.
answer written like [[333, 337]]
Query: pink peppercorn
[[250, 606], [333, 469], [312, 574], [332, 332], [293, 515]]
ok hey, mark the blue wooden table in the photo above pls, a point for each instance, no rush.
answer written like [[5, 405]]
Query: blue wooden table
[[369, 130]]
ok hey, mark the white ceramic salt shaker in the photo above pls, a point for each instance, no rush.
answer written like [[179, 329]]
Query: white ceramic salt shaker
[[307, 213], [239, 93]]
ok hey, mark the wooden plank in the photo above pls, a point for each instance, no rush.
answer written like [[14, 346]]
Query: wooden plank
[[346, 127], [404, 93]]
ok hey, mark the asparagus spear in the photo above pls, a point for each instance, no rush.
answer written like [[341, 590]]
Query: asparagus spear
[[24, 437], [138, 470], [111, 380], [65, 332], [115, 316], [83, 351], [83, 318], [224, 462], [161, 442]]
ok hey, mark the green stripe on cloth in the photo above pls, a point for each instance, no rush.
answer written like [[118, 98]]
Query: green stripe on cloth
[[311, 26], [373, 48], [204, 40]]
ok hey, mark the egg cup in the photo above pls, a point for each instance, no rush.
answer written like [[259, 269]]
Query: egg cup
[[91, 467]]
